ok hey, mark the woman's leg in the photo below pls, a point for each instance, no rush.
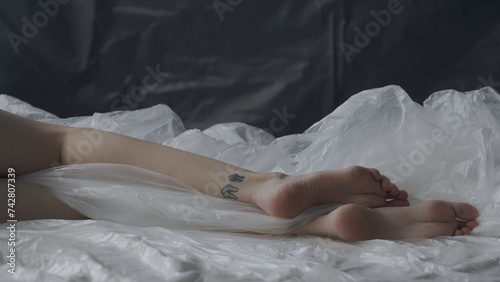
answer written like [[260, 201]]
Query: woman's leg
[[34, 202], [30, 146], [27, 145]]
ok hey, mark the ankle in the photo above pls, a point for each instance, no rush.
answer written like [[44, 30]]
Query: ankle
[[259, 182]]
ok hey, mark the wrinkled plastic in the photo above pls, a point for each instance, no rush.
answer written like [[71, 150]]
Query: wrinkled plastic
[[446, 149], [135, 196], [378, 127]]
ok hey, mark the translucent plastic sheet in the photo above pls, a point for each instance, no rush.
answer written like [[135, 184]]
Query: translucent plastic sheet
[[134, 196], [448, 149]]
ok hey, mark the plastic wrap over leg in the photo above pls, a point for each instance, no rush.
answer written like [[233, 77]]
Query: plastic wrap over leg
[[135, 196]]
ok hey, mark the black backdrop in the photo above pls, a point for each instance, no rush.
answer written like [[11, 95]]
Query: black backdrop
[[281, 64]]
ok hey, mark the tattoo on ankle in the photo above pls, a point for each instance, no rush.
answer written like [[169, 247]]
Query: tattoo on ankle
[[236, 178], [227, 192]]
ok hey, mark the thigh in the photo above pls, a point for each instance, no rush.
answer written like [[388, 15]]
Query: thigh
[[32, 202]]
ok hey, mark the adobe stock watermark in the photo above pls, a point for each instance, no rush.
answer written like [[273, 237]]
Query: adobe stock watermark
[[130, 100], [372, 29], [30, 28], [91, 139], [279, 121], [488, 81], [223, 6], [424, 148]]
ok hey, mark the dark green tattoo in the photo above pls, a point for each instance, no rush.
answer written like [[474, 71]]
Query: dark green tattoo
[[236, 178], [227, 192]]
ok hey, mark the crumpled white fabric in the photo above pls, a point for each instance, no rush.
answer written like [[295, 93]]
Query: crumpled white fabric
[[448, 149]]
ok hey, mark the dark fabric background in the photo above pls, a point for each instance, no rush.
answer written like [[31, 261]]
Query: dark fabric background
[[280, 65]]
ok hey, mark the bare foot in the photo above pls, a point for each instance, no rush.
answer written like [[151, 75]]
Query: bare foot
[[288, 196], [427, 220]]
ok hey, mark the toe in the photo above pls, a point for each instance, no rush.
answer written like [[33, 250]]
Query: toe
[[465, 211], [375, 174], [471, 224], [465, 231], [398, 203], [394, 192], [403, 195], [386, 183], [458, 232]]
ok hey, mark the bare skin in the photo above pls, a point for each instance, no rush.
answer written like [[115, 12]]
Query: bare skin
[[429, 219], [352, 185], [34, 202], [34, 146]]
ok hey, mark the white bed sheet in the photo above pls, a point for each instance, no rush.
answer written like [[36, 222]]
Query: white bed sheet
[[466, 167]]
